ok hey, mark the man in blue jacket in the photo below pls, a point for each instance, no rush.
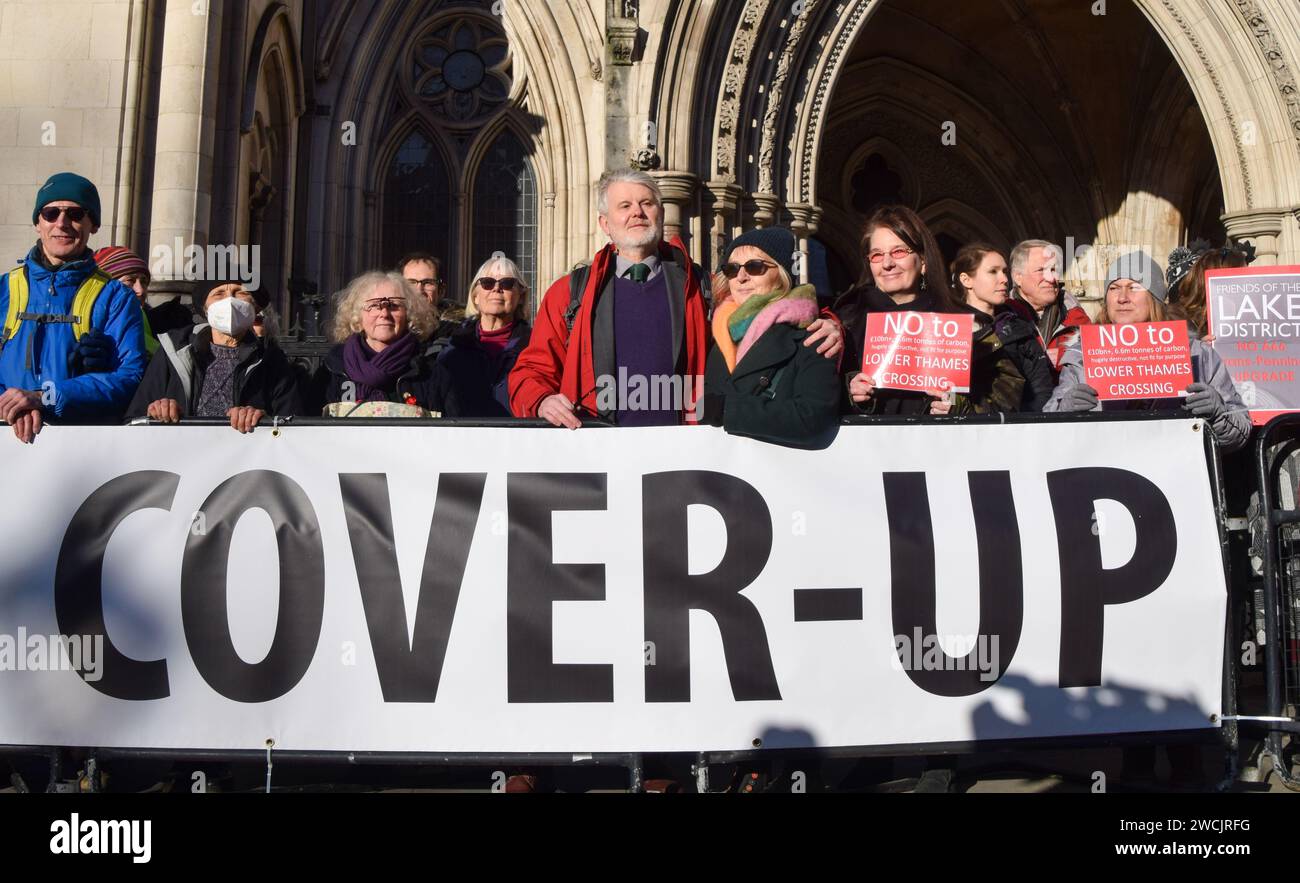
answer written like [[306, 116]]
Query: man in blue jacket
[[57, 299]]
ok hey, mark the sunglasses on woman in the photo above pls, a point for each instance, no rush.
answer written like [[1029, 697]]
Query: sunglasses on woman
[[76, 214], [487, 283], [753, 268]]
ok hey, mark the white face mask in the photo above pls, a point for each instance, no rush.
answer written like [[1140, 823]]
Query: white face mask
[[232, 316]]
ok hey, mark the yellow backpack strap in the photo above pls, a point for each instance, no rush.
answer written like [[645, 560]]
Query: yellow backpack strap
[[18, 293], [84, 302]]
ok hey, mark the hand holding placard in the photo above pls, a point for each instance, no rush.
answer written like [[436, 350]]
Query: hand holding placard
[[919, 352], [1145, 360]]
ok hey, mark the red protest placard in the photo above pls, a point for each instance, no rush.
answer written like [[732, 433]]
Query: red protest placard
[[1147, 360], [920, 352]]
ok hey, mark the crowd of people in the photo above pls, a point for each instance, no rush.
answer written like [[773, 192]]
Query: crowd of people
[[638, 336]]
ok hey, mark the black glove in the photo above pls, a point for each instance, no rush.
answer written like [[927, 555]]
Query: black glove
[[1204, 401], [96, 353], [1081, 398], [714, 407]]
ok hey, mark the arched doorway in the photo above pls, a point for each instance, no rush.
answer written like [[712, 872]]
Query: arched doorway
[[1011, 124]]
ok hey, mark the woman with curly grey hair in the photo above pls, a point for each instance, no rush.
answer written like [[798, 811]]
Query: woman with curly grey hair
[[379, 329]]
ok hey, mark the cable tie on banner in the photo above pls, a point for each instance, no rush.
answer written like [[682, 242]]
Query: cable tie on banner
[[275, 426], [270, 743], [1258, 718]]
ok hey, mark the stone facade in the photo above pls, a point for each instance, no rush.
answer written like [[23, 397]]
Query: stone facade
[[318, 129]]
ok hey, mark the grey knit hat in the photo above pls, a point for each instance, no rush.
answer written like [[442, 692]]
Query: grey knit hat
[[777, 242], [1141, 268]]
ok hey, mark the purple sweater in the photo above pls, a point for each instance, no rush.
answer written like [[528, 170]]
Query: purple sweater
[[643, 348]]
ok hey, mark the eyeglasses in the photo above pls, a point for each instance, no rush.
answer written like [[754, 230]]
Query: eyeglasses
[[385, 303], [424, 283], [76, 214], [753, 268], [878, 257], [487, 283]]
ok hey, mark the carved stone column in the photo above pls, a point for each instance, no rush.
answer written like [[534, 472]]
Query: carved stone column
[[807, 219], [769, 207], [724, 199], [679, 189], [1263, 228]]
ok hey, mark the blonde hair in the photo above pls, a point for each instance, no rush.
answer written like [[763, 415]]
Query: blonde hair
[[508, 269], [420, 317]]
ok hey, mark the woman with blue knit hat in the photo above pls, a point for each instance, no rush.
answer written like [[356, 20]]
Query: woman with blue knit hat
[[761, 381], [1136, 291]]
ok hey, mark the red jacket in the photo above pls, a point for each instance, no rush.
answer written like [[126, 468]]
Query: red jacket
[[1065, 333], [556, 362]]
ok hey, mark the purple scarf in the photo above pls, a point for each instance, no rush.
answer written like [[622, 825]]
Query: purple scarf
[[376, 373]]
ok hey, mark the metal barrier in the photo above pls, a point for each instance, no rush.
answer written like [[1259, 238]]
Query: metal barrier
[[1278, 535]]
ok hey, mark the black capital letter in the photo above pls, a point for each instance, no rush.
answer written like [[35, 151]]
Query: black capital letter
[[79, 574], [302, 588], [1087, 587], [913, 581], [410, 672], [534, 581], [671, 592]]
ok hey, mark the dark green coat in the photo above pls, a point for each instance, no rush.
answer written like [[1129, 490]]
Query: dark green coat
[[781, 392]]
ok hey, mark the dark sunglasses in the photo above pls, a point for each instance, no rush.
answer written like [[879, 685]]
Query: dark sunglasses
[[753, 268], [75, 213], [487, 283]]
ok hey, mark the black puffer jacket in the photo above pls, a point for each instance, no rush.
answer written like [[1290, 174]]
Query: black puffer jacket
[[1009, 370], [264, 379], [852, 308]]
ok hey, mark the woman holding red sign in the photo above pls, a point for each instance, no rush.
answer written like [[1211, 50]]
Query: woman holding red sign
[[904, 272], [1009, 369], [1136, 292]]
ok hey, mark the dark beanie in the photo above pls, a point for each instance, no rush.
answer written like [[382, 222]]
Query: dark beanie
[[777, 242], [74, 188]]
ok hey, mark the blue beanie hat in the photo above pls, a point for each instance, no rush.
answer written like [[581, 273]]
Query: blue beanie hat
[[74, 188], [778, 243]]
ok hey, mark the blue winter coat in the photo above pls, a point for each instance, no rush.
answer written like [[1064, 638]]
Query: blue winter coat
[[480, 379], [39, 358]]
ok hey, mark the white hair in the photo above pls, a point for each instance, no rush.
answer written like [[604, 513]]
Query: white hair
[[500, 267], [624, 176], [1020, 254]]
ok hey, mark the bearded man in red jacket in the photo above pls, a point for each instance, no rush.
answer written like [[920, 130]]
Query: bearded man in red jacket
[[634, 320]]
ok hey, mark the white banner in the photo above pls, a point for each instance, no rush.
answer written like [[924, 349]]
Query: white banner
[[510, 590]]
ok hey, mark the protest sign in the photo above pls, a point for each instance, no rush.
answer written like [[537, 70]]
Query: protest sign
[[920, 352], [1254, 317], [1145, 360]]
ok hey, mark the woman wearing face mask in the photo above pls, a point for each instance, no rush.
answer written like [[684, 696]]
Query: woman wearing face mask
[[481, 353], [1009, 370], [903, 273], [1136, 292], [760, 380], [219, 368], [381, 328]]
